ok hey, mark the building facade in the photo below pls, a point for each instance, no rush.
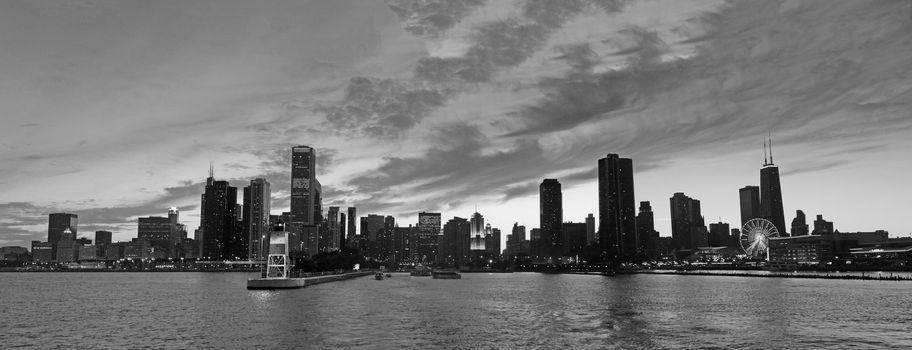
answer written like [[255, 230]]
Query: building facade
[[427, 240], [617, 234], [799, 224], [646, 230], [352, 217], [306, 202], [771, 195], [217, 220], [750, 203], [257, 206], [551, 217], [687, 226]]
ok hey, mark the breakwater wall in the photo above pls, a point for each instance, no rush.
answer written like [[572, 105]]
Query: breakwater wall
[[309, 281]]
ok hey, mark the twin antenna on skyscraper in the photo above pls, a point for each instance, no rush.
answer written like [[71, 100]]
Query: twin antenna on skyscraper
[[770, 160]]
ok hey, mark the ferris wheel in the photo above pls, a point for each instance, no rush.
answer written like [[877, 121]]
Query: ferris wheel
[[755, 235]]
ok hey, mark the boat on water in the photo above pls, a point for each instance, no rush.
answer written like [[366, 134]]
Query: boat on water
[[378, 276], [447, 275], [420, 271]]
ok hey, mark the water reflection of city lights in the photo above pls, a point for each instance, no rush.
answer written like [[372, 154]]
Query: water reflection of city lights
[[262, 299]]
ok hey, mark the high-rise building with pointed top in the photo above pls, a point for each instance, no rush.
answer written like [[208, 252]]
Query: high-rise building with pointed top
[[771, 193], [217, 218], [617, 235], [476, 233]]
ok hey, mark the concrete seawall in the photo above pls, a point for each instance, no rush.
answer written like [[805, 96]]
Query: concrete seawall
[[293, 283], [309, 281]]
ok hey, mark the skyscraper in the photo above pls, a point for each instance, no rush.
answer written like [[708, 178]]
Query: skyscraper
[[822, 227], [178, 230], [342, 225], [157, 231], [771, 194], [330, 240], [590, 229], [352, 216], [719, 234], [370, 225], [516, 240], [799, 224], [750, 203], [426, 242], [646, 228], [456, 237], [102, 237], [257, 206], [492, 242], [551, 217], [687, 226], [217, 219], [306, 206], [476, 233], [58, 222], [573, 237], [617, 212]]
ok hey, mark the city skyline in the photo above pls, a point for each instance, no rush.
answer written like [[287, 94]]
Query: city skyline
[[629, 80]]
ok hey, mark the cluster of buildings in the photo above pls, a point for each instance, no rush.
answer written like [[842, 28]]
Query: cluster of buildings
[[158, 238], [622, 232]]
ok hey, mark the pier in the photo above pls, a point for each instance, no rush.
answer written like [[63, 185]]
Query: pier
[[294, 283]]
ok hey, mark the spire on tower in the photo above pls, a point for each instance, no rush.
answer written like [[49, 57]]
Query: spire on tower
[[765, 159], [211, 170], [771, 147]]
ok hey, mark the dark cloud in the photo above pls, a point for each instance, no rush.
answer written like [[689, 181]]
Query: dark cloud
[[580, 95], [552, 13], [431, 18], [381, 107], [384, 108], [579, 57]]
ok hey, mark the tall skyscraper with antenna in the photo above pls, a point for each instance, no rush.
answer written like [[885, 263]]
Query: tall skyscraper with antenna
[[771, 191], [218, 213]]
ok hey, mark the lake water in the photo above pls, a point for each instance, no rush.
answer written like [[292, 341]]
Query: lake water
[[480, 311]]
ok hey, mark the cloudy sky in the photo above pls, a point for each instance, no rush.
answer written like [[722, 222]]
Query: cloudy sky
[[114, 109]]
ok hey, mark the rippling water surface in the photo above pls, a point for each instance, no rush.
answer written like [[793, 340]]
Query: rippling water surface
[[480, 311]]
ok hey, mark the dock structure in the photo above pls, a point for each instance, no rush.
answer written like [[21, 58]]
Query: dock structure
[[278, 267]]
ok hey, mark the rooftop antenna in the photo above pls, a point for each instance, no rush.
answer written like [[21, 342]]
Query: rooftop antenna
[[211, 170], [771, 147], [765, 159]]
